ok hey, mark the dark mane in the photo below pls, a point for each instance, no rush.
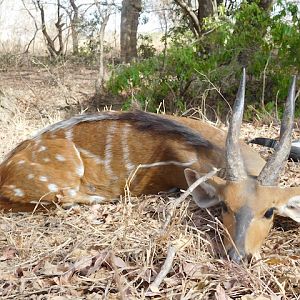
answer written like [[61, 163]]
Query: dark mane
[[159, 124], [142, 120]]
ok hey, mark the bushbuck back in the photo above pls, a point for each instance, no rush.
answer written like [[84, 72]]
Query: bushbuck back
[[89, 159]]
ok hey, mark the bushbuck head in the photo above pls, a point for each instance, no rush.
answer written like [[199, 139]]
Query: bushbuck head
[[249, 203]]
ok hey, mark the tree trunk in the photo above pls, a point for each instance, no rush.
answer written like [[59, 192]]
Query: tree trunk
[[50, 42], [104, 14], [197, 13], [74, 20], [265, 4], [130, 13], [100, 79]]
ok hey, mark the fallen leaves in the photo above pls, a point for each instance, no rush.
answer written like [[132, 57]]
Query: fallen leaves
[[8, 253]]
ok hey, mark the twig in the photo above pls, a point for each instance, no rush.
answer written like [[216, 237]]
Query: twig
[[179, 200], [215, 88], [165, 269], [117, 276], [262, 100]]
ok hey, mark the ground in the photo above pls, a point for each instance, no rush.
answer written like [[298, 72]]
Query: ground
[[115, 250]]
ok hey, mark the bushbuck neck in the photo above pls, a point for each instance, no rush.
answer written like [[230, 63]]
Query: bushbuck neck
[[94, 158]]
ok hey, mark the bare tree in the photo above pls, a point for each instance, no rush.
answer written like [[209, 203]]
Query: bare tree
[[162, 8], [72, 10], [51, 43], [104, 11], [35, 26], [197, 12], [130, 14]]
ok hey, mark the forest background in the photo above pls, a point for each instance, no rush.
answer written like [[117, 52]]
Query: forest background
[[165, 54]]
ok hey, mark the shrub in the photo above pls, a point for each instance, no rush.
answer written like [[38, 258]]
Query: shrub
[[194, 73]]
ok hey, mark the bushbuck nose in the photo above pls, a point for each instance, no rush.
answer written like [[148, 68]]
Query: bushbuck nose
[[237, 255]]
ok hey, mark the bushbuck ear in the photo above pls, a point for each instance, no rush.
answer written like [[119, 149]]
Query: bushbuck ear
[[291, 209], [206, 194]]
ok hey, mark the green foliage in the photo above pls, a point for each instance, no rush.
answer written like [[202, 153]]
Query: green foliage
[[192, 71], [146, 48]]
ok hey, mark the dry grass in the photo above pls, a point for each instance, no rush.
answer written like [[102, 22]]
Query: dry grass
[[116, 250]]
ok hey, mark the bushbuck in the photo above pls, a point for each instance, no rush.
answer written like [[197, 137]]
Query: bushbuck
[[88, 159]]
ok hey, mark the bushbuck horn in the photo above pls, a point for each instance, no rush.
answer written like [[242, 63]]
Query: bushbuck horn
[[235, 170], [271, 171]]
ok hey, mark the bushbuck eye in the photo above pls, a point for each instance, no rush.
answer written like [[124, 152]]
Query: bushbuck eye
[[269, 213]]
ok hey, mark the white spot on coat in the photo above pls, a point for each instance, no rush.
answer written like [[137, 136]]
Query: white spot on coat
[[43, 178], [42, 148], [59, 157], [52, 187], [96, 199], [80, 170], [46, 159], [18, 192], [72, 192], [30, 176], [21, 162]]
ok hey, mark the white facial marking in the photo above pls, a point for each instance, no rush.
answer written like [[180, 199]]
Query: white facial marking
[[42, 148], [52, 187], [18, 192], [30, 176], [21, 162], [43, 178], [96, 199], [59, 157]]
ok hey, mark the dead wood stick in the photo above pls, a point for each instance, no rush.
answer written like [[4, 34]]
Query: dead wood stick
[[165, 269], [117, 276], [179, 200]]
